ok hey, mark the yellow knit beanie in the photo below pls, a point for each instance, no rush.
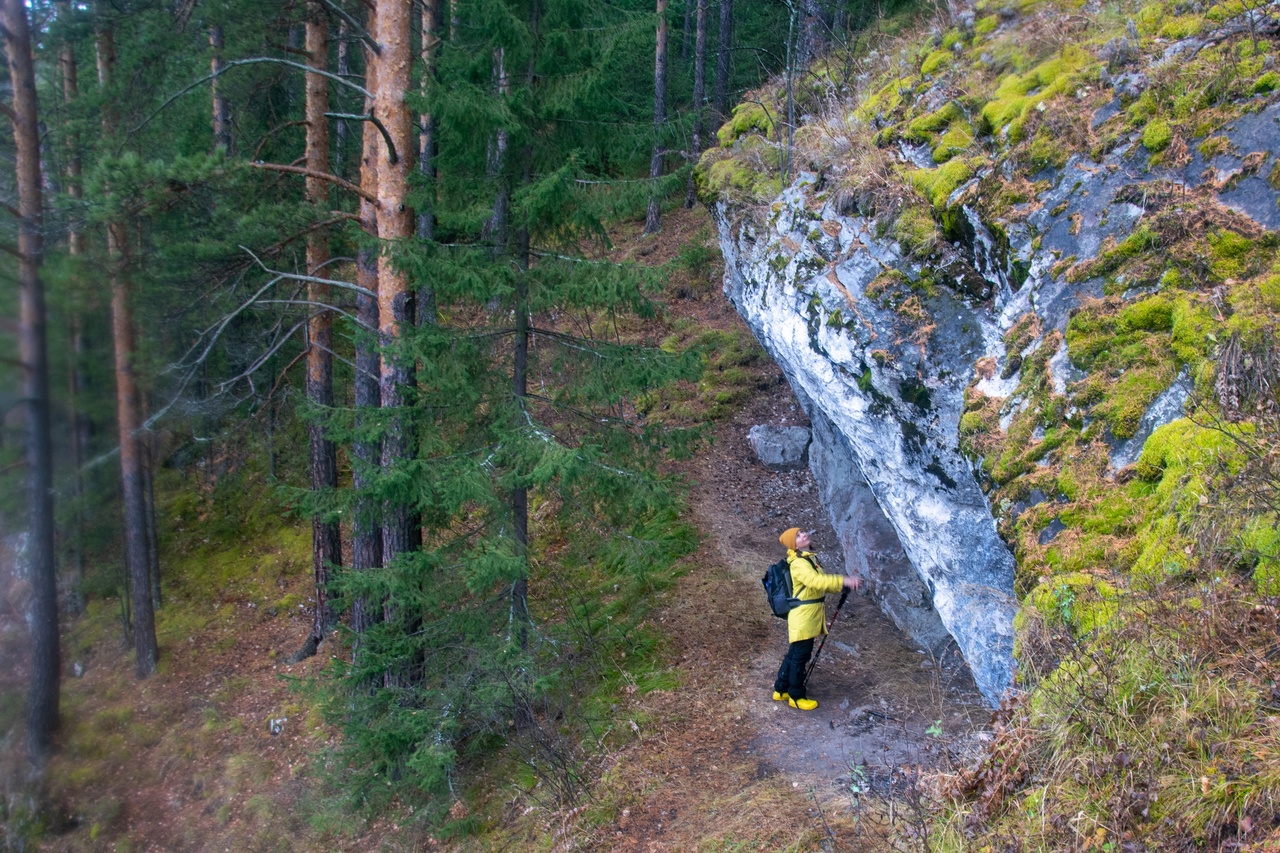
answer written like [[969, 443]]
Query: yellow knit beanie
[[788, 537]]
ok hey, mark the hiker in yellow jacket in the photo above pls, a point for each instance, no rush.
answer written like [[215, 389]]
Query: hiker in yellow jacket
[[808, 581]]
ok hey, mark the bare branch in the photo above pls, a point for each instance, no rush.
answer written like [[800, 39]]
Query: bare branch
[[346, 285], [391, 147], [323, 176], [236, 63], [262, 359], [323, 305]]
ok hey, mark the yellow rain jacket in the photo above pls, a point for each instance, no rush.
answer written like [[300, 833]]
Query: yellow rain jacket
[[808, 580]]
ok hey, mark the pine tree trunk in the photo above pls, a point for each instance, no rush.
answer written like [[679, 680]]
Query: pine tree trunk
[[791, 56], [76, 378], [520, 390], [685, 30], [652, 222], [400, 529], [699, 91], [128, 412], [496, 229], [366, 526], [340, 128], [812, 38], [720, 100], [42, 701], [79, 454], [326, 538], [129, 423], [519, 621], [148, 444], [221, 107], [520, 493], [431, 19]]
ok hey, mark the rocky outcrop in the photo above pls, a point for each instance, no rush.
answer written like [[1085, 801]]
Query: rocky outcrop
[[886, 409], [881, 345]]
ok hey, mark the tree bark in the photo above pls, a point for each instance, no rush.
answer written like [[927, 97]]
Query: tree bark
[[221, 107], [520, 492], [76, 377], [699, 91], [723, 66], [128, 412], [129, 423], [431, 22], [326, 538], [791, 55], [366, 526], [496, 229], [340, 128], [684, 31], [812, 36], [400, 529], [42, 701], [148, 444], [520, 391], [652, 222]]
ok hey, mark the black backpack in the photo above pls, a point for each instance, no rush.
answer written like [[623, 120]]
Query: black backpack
[[777, 588]]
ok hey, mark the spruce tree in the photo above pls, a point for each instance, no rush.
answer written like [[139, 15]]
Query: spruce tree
[[525, 386]]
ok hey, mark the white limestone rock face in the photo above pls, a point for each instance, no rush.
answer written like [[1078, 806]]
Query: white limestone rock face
[[868, 541], [885, 400], [879, 352]]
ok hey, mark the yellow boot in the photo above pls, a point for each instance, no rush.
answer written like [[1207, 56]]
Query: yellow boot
[[802, 704], [780, 697]]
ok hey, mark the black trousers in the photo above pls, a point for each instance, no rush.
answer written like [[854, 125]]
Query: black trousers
[[790, 678]]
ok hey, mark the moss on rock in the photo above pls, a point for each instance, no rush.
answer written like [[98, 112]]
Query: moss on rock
[[747, 117], [1157, 135]]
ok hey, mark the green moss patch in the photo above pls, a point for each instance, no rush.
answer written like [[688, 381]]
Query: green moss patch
[[1017, 94], [745, 175], [1157, 135], [1077, 600], [916, 230], [747, 117], [938, 184]]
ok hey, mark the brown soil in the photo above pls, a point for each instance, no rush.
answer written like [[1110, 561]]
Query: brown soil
[[883, 702]]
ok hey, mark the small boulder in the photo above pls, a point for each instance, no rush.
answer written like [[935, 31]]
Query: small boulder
[[780, 448]]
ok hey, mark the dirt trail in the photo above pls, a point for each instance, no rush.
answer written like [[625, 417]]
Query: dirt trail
[[884, 703]]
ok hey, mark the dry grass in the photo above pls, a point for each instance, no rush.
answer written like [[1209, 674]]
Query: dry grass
[[1160, 733]]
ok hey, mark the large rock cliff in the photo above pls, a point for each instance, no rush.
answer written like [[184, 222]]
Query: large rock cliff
[[990, 282]]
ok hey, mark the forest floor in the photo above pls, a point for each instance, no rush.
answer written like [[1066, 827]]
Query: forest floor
[[727, 764], [217, 750]]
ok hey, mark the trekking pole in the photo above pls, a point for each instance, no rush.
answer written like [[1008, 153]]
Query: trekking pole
[[844, 593]]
